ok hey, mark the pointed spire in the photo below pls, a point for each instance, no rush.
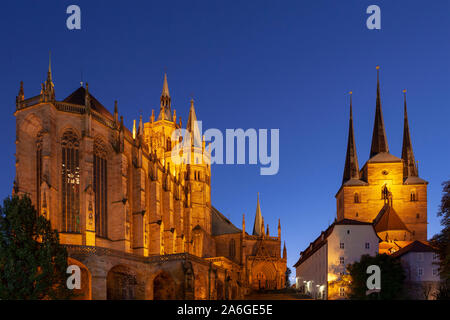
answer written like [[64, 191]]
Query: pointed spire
[[140, 127], [351, 168], [116, 112], [409, 163], [165, 112], [379, 139], [279, 229], [192, 127], [284, 251], [243, 223], [48, 87], [267, 230], [134, 129], [257, 229]]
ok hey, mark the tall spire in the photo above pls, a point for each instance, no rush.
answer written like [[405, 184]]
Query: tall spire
[[165, 112], [351, 168], [409, 163], [284, 251], [49, 87], [379, 139], [192, 127], [257, 226]]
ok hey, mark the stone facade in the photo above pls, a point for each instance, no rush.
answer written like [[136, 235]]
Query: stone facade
[[134, 207]]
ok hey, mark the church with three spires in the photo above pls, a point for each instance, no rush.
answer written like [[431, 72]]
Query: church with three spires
[[387, 191], [137, 221]]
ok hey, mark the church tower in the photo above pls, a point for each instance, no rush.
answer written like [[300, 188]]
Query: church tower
[[387, 190]]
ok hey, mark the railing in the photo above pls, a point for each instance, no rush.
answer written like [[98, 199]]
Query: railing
[[69, 107]]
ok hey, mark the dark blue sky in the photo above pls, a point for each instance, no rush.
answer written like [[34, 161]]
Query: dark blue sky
[[250, 64]]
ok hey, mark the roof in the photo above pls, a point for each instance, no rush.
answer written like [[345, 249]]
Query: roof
[[387, 219], [78, 97], [415, 180], [415, 246], [384, 157], [355, 182], [322, 239], [221, 225]]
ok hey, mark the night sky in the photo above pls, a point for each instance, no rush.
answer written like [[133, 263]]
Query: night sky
[[250, 64]]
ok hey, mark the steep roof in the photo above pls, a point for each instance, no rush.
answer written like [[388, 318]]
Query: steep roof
[[379, 139], [257, 225], [78, 97], [384, 157], [415, 246], [387, 219], [221, 225], [351, 167]]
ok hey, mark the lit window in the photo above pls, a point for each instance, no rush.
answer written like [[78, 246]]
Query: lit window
[[70, 182]]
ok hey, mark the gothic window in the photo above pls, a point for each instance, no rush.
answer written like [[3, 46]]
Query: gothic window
[[232, 248], [417, 216], [356, 197], [385, 193], [413, 196], [70, 182], [38, 171], [100, 189], [168, 144]]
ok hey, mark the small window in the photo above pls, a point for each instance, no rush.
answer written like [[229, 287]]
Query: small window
[[357, 215], [341, 260], [419, 272], [367, 245], [435, 256], [356, 197], [435, 272], [419, 256], [348, 231], [418, 216], [341, 245], [342, 291], [413, 195]]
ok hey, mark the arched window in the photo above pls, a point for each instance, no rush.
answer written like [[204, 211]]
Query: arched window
[[70, 182], [38, 171], [356, 197], [413, 196], [385, 193], [232, 248], [168, 144], [100, 189]]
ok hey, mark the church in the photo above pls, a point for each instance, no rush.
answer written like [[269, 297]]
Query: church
[[138, 224], [380, 208]]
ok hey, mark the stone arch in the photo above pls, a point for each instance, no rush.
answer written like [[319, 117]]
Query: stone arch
[[264, 277], [163, 286], [85, 292], [121, 283], [31, 124], [200, 287]]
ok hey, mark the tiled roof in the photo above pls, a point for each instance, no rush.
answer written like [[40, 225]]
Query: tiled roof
[[78, 96], [388, 219], [221, 225], [415, 246]]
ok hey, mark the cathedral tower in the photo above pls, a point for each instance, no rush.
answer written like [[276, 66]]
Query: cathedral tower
[[387, 190]]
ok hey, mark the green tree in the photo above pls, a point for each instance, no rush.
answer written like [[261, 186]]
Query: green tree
[[442, 242], [32, 262], [392, 278], [287, 280]]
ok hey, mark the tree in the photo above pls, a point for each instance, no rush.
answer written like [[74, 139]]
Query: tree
[[392, 278], [32, 262], [441, 242], [287, 275]]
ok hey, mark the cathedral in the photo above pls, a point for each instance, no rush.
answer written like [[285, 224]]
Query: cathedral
[[138, 221], [387, 191]]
